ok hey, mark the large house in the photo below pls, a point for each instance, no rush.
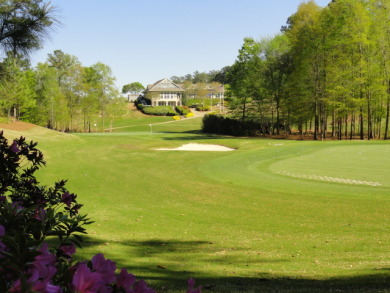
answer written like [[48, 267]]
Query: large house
[[167, 93], [164, 93]]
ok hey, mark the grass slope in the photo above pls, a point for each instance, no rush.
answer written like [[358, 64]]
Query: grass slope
[[234, 221]]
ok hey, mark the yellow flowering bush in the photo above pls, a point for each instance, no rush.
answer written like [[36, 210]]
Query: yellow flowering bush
[[176, 117], [189, 115]]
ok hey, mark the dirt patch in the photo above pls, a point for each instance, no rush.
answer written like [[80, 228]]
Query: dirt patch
[[18, 126], [199, 147]]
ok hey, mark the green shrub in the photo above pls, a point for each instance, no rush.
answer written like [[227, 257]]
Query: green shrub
[[203, 107], [219, 124], [139, 105], [159, 110], [183, 110]]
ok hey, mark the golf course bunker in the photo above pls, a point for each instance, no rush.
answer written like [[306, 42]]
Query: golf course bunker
[[199, 148], [330, 179]]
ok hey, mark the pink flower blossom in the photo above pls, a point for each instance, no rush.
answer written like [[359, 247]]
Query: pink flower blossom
[[191, 285], [14, 147], [142, 287], [106, 268], [68, 250], [37, 284], [125, 280], [85, 281], [67, 198], [17, 205], [39, 214], [44, 263]]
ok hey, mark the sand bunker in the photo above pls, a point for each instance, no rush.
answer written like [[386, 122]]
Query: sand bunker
[[199, 147]]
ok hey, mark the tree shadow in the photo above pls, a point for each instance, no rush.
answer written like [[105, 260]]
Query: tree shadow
[[173, 277], [199, 137]]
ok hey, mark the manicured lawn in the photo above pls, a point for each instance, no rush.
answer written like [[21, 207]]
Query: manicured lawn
[[252, 220]]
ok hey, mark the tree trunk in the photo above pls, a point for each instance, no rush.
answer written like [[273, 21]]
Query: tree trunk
[[361, 124], [277, 116], [352, 133], [333, 122], [316, 120], [387, 116], [244, 110], [369, 117]]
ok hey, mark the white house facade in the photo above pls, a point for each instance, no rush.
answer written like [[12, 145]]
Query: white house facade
[[164, 93]]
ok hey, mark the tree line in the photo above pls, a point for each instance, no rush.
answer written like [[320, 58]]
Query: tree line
[[328, 71], [201, 77], [60, 93]]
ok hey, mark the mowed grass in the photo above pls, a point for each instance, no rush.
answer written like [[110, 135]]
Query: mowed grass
[[235, 221]]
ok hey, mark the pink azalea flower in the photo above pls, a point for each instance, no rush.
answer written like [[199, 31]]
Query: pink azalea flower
[[37, 285], [106, 268], [45, 257], [67, 198], [85, 281], [191, 285], [39, 214], [43, 265], [125, 280], [142, 287], [14, 147], [68, 250], [17, 205]]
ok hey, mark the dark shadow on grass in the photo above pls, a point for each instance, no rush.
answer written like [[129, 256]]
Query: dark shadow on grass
[[196, 131], [198, 137], [165, 270]]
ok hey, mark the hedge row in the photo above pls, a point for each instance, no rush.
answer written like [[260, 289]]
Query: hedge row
[[159, 110], [202, 107], [183, 110], [219, 124]]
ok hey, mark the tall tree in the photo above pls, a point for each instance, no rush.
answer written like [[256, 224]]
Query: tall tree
[[16, 86], [245, 76], [277, 65], [24, 25], [308, 53], [69, 75], [51, 108], [103, 81], [133, 88]]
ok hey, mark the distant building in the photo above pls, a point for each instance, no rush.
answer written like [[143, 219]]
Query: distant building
[[133, 96], [167, 93], [164, 93]]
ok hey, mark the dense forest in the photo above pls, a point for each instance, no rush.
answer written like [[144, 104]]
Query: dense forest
[[327, 71]]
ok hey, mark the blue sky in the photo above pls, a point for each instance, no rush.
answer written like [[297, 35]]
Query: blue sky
[[149, 40]]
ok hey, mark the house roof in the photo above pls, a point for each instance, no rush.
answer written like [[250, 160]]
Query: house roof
[[164, 85]]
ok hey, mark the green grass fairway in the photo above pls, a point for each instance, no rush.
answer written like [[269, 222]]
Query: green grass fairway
[[272, 216]]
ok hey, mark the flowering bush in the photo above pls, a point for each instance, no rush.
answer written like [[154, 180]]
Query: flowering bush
[[32, 214], [189, 115], [176, 118]]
